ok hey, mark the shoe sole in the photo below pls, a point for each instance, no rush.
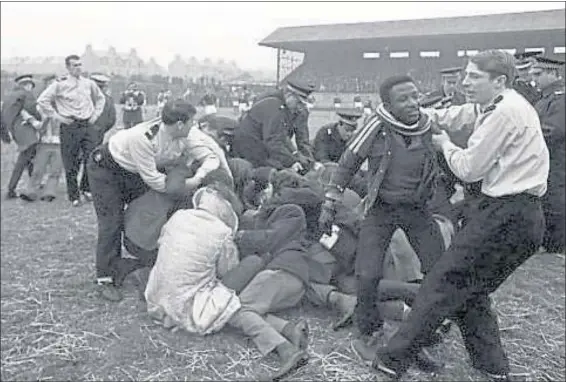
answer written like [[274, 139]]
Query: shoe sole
[[302, 361]]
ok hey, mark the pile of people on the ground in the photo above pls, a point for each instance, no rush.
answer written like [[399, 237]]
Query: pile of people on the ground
[[417, 215]]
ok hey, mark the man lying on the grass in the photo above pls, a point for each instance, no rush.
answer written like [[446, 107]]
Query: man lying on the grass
[[331, 269], [199, 284]]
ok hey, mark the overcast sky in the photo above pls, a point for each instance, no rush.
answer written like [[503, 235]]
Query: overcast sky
[[227, 30]]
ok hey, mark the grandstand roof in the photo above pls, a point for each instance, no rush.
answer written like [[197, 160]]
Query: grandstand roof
[[494, 23]]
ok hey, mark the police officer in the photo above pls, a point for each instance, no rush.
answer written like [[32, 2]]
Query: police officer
[[449, 95], [22, 127], [330, 141], [449, 90], [264, 133], [126, 167], [523, 83], [546, 74]]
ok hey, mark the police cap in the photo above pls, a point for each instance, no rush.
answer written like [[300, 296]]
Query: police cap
[[525, 55], [349, 116], [25, 78], [451, 72], [301, 88], [223, 125], [547, 63]]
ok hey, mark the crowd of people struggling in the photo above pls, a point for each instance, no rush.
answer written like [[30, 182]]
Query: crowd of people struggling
[[418, 211]]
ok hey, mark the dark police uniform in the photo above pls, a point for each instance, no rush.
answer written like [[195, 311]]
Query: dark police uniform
[[439, 100], [328, 143], [264, 133], [522, 83], [551, 111], [24, 134]]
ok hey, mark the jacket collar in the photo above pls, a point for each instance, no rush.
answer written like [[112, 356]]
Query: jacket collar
[[551, 88]]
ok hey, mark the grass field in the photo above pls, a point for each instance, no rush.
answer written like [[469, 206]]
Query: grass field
[[54, 327]]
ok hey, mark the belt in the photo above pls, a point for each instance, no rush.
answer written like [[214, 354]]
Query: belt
[[78, 120], [102, 157], [521, 196]]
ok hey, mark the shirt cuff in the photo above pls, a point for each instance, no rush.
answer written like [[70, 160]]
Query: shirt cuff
[[449, 148]]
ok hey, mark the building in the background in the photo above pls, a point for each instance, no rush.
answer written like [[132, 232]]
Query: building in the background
[[355, 58]]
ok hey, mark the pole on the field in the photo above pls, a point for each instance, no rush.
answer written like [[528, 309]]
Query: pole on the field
[[278, 66]]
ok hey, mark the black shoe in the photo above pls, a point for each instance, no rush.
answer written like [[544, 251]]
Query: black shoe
[[31, 197], [365, 346], [297, 360], [377, 364], [11, 194], [426, 362], [108, 291], [48, 198]]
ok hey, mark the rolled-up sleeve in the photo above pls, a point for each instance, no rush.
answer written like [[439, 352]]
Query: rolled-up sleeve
[[484, 148], [454, 118], [46, 100], [207, 158]]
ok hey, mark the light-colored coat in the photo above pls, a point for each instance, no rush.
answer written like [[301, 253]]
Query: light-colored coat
[[195, 249]]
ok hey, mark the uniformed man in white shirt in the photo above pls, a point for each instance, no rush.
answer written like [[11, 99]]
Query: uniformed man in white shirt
[[507, 152], [125, 168], [78, 103]]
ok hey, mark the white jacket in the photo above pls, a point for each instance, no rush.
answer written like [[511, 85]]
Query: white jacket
[[184, 290]]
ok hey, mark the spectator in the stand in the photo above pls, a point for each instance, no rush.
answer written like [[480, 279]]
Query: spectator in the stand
[[337, 103], [358, 102]]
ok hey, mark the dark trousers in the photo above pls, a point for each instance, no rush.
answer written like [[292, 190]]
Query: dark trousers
[[554, 205], [76, 137], [24, 160], [501, 234], [375, 235], [112, 188]]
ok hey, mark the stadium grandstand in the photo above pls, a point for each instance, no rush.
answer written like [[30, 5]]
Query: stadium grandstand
[[354, 58]]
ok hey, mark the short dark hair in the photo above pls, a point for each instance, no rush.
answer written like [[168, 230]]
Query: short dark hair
[[177, 110], [497, 63], [387, 85], [68, 59]]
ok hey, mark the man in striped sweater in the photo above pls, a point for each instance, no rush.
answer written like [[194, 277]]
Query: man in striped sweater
[[397, 142]]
